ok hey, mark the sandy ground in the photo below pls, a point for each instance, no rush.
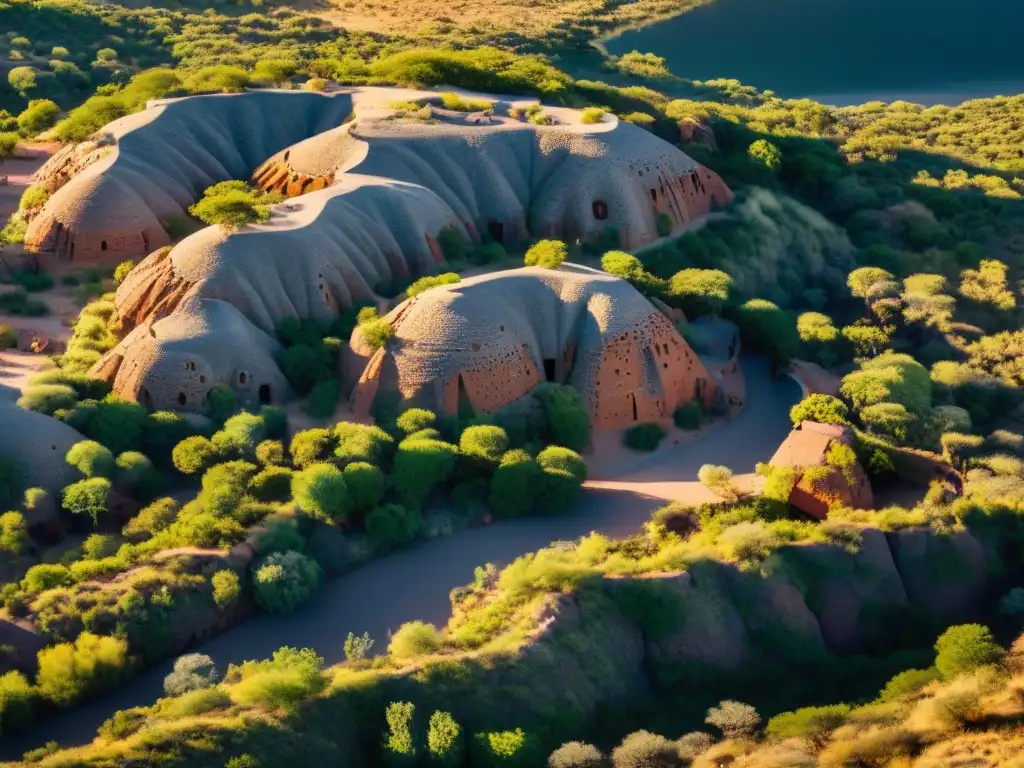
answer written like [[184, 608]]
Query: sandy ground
[[816, 379], [16, 368], [19, 170]]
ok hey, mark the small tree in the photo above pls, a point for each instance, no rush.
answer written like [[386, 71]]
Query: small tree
[[964, 648], [226, 587], [643, 749], [399, 748], [734, 719], [22, 79], [415, 420], [68, 672], [275, 71], [88, 497], [484, 445], [513, 488], [506, 748], [365, 485], [547, 253], [358, 647], [445, 743], [420, 466], [40, 115]]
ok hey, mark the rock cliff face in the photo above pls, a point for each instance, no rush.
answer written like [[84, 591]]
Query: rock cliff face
[[710, 626]]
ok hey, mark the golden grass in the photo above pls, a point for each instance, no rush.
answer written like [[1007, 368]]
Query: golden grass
[[475, 21]]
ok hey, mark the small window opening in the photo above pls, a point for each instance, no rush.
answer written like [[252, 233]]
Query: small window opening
[[549, 368], [103, 245], [182, 400], [600, 210], [264, 394]]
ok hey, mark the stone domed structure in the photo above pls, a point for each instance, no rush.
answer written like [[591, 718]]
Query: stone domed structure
[[35, 445], [372, 187], [487, 341]]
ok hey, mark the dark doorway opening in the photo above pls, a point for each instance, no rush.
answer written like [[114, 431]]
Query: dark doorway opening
[[147, 399], [549, 368], [632, 399], [264, 394], [103, 245], [496, 231]]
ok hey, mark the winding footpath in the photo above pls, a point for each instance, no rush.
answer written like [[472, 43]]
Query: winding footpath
[[415, 583]]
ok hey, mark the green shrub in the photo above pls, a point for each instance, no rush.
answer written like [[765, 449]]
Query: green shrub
[[323, 399], [431, 281], [415, 420], [137, 475], [88, 497], [320, 490], [362, 442], [14, 538], [513, 487], [69, 672], [644, 437], [546, 253], [700, 291], [280, 535], [194, 455], [33, 198], [421, 466], [555, 457], [558, 490], [91, 459], [240, 435], [399, 748], [592, 115], [270, 453], [226, 588], [568, 423], [271, 484], [413, 639], [47, 398], [392, 525], [445, 743], [377, 333], [765, 153], [688, 416], [152, 519], [907, 682], [163, 431], [506, 748], [823, 409], [17, 700], [284, 581], [223, 487], [768, 329], [734, 719], [283, 682], [964, 648], [812, 723], [44, 576], [310, 446], [221, 404], [484, 445], [365, 485]]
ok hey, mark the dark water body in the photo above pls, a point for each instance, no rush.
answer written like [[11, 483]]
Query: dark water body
[[845, 52]]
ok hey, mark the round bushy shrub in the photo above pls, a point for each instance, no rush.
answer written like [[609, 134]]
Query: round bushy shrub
[[644, 437], [420, 466], [137, 475], [484, 444], [194, 455], [823, 409], [513, 489], [365, 485], [271, 453], [415, 419], [47, 398], [310, 446], [413, 639], [557, 457], [546, 253], [240, 435], [272, 484], [91, 459], [963, 649], [285, 580], [363, 442], [320, 490], [392, 525]]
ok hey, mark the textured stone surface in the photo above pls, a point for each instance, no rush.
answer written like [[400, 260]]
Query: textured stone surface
[[489, 340], [369, 198], [36, 444]]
